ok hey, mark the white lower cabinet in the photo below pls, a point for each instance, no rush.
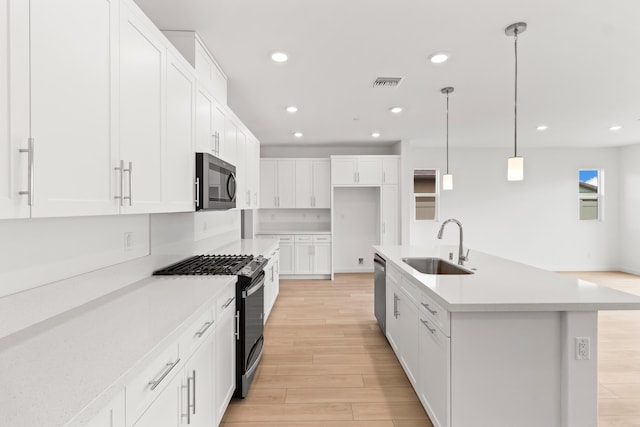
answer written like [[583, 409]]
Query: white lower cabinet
[[312, 254], [224, 379], [112, 415], [287, 255], [198, 385], [434, 384], [165, 410], [271, 282]]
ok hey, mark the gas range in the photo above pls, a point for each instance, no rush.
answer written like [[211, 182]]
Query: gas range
[[246, 267]]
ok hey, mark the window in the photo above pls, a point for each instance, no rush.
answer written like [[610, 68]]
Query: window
[[590, 194], [425, 194]]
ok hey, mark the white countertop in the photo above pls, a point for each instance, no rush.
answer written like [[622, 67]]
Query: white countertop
[[78, 361], [502, 285], [289, 231]]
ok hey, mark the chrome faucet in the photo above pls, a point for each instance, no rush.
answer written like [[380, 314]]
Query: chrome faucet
[[462, 257]]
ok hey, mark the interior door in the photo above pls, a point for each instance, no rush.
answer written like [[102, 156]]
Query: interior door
[[73, 104]]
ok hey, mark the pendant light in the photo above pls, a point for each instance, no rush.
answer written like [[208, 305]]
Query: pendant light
[[515, 164], [447, 179]]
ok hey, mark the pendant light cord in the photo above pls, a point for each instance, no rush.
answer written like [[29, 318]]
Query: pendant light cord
[[515, 100], [447, 133]]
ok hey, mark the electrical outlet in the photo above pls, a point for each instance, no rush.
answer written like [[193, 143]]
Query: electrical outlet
[[360, 261], [583, 348], [128, 241]]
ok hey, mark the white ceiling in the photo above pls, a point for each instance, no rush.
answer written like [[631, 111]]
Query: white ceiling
[[579, 68]]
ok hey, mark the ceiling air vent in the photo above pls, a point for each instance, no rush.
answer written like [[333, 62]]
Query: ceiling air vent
[[387, 82]]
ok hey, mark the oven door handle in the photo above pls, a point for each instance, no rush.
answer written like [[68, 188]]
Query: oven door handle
[[231, 179], [253, 289]]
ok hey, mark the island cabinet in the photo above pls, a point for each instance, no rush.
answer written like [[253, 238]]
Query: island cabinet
[[402, 324], [500, 345]]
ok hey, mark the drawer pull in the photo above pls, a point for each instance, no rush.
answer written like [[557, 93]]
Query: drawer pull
[[228, 302], [170, 367], [204, 329], [426, 324], [434, 312]]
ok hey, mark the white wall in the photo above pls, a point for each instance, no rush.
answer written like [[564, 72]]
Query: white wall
[[356, 219], [62, 263], [630, 209], [534, 221]]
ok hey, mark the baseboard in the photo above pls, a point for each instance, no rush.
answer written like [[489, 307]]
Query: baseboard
[[305, 276]]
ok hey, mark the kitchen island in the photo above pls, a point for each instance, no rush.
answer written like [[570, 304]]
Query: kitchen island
[[505, 345]]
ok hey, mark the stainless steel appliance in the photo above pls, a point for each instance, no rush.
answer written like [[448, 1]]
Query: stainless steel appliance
[[215, 183], [380, 291], [249, 305]]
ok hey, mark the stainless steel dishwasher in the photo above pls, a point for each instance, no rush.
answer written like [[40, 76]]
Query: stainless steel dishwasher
[[380, 290]]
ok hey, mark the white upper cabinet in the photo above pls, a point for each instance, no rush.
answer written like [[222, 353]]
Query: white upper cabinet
[[243, 196], [72, 108], [390, 170], [210, 75], [14, 135], [253, 159], [277, 178], [363, 170], [205, 138], [142, 65], [312, 183], [178, 180]]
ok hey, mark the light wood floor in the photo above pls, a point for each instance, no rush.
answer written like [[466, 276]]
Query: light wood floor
[[326, 363]]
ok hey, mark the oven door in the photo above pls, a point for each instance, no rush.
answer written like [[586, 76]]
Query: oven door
[[215, 183], [251, 326]]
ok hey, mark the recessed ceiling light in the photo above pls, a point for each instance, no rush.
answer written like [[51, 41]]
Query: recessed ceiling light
[[298, 134], [616, 127], [542, 127], [375, 134], [438, 57], [292, 109], [395, 110], [279, 57]]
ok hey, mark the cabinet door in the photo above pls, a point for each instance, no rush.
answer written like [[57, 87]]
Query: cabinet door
[[268, 180], [304, 183], [369, 171], [73, 106], [166, 409], [286, 258], [322, 184], [199, 382], [205, 140], [219, 125], [322, 258], [286, 184], [389, 215], [393, 324], [229, 149], [409, 346], [268, 290], [112, 415], [243, 198], [255, 172], [179, 178], [303, 258], [434, 384], [343, 171], [225, 360], [390, 169], [142, 76]]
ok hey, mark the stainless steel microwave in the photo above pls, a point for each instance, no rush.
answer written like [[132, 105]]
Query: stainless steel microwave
[[215, 183]]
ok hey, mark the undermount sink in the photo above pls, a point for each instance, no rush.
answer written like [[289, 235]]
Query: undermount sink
[[435, 266]]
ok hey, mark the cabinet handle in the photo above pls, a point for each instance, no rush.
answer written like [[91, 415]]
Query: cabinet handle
[[120, 168], [249, 198], [204, 329], [30, 153], [428, 307], [395, 305], [384, 177], [170, 366], [194, 392], [197, 192], [237, 326], [130, 170], [426, 324], [188, 414], [384, 229], [229, 301]]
